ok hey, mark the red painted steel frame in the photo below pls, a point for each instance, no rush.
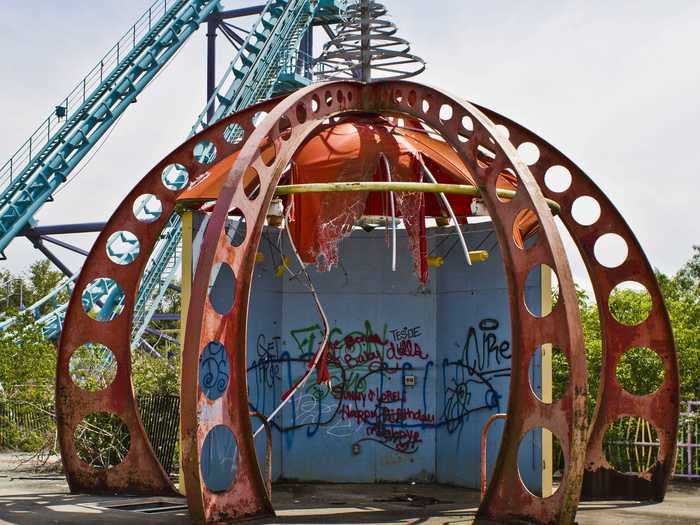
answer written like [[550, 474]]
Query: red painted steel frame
[[139, 472], [289, 123], [470, 133], [661, 408]]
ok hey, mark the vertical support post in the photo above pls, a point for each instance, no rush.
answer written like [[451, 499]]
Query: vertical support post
[[212, 23], [185, 294], [546, 371], [387, 167], [689, 441], [365, 51], [307, 51], [268, 449], [450, 211]]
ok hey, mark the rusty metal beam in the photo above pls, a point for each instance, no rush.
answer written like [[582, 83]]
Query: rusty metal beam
[[469, 132], [660, 408], [139, 472]]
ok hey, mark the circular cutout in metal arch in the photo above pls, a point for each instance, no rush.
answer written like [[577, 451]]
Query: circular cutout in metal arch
[[222, 288], [219, 459], [236, 230], [214, 370]]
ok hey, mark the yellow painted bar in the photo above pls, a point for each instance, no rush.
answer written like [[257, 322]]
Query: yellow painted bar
[[546, 371], [478, 255], [425, 187], [186, 292]]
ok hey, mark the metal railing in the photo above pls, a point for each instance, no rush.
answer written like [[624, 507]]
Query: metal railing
[[72, 102], [631, 445], [296, 62], [160, 414], [279, 29], [484, 452], [688, 459]]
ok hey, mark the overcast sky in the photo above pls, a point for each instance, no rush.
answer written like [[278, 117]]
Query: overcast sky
[[614, 85]]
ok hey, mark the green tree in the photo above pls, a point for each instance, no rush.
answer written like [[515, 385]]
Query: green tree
[[42, 280], [682, 297], [19, 291], [689, 275], [640, 370], [27, 368], [157, 375], [593, 344], [27, 360]]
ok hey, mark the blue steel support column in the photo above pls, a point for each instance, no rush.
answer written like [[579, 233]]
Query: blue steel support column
[[38, 234], [212, 23], [306, 46], [65, 245], [39, 245], [59, 229], [244, 11]]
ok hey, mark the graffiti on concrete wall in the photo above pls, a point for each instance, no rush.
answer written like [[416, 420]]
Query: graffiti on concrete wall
[[378, 390], [470, 380]]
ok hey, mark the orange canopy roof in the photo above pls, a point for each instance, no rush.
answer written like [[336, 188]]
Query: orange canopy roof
[[329, 151], [351, 151]]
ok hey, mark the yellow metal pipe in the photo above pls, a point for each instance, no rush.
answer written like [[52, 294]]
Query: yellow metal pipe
[[425, 187]]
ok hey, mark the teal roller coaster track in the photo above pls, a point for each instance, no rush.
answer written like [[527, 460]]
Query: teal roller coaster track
[[270, 59]]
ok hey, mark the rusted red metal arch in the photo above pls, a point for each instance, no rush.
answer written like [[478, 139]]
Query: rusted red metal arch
[[660, 408], [470, 133], [288, 124], [140, 471]]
